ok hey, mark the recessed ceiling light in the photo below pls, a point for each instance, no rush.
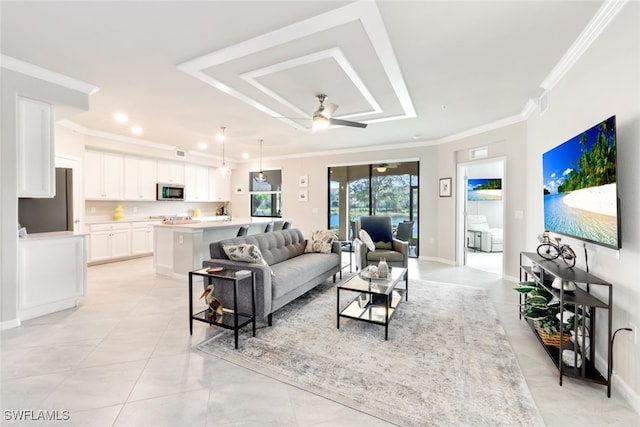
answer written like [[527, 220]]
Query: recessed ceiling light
[[202, 145], [120, 117], [136, 130], [245, 155]]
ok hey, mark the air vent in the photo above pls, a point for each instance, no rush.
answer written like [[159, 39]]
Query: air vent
[[478, 153], [181, 153]]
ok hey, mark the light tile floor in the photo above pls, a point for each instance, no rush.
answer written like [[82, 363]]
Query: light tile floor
[[124, 357]]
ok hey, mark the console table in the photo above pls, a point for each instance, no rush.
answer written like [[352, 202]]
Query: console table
[[580, 302]]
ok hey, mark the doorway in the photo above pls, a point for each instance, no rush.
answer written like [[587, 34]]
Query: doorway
[[481, 218], [389, 189]]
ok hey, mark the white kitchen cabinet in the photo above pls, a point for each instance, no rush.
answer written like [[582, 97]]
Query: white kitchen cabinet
[[219, 186], [140, 178], [109, 241], [36, 149], [103, 175], [170, 172], [196, 183], [52, 273], [142, 237]]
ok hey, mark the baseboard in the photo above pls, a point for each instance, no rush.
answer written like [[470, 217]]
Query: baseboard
[[511, 279], [619, 384], [436, 259], [9, 324]]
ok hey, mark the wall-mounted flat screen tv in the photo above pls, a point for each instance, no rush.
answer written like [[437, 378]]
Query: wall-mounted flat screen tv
[[484, 189], [580, 191]]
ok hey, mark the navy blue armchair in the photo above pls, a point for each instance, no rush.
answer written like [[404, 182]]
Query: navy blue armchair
[[379, 228]]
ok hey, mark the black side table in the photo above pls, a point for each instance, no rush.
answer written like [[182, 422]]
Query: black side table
[[238, 320]]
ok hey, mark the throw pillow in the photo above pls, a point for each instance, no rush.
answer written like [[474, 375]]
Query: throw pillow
[[246, 253], [320, 242], [366, 239]]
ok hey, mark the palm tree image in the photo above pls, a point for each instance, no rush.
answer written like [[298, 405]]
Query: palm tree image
[[580, 194]]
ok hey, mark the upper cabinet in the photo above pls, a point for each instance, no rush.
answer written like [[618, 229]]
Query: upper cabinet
[[196, 183], [103, 174], [170, 172], [140, 178], [219, 186], [36, 149]]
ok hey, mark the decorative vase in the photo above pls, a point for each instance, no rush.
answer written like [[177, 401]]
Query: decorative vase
[[383, 268], [118, 213]]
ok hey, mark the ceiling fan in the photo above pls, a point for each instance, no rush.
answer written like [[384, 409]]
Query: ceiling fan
[[322, 116]]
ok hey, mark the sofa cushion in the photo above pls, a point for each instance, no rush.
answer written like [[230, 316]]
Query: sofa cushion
[[387, 254], [275, 247], [288, 274], [320, 242], [245, 253]]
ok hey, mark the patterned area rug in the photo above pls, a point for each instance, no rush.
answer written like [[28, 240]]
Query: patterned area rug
[[447, 360]]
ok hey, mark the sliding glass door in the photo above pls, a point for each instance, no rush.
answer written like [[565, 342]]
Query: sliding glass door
[[389, 189]]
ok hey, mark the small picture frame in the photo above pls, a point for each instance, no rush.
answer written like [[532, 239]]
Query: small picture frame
[[238, 189], [303, 196], [303, 180], [445, 187]]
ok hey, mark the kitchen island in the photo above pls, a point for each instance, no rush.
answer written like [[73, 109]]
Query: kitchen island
[[180, 246]]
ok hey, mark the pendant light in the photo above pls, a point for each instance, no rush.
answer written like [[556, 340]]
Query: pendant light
[[260, 175], [223, 170]]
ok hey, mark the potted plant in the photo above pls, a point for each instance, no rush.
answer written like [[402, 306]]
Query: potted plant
[[542, 308]]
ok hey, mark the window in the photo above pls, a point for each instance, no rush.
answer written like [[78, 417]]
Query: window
[[266, 194], [389, 189]]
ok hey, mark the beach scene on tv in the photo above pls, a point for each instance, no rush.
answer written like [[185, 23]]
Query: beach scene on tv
[[484, 189], [580, 196]]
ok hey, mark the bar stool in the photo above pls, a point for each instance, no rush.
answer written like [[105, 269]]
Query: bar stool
[[268, 228], [243, 230]]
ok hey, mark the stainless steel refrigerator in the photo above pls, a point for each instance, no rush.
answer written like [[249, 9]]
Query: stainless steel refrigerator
[[50, 214]]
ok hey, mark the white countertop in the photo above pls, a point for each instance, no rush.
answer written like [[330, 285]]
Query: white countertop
[[53, 235], [206, 222], [91, 221]]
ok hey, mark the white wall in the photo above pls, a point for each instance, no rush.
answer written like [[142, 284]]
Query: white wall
[[312, 215], [605, 81], [14, 84]]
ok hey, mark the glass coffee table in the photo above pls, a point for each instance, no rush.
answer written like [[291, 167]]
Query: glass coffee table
[[376, 299]]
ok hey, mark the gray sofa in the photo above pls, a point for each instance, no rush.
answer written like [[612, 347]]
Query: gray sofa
[[294, 271]]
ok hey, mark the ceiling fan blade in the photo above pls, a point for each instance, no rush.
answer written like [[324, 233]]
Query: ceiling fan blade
[[329, 110], [340, 122]]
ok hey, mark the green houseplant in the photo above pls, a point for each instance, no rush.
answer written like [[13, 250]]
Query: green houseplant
[[542, 307]]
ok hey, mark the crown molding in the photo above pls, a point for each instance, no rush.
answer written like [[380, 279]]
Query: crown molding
[[28, 69], [592, 31], [115, 137]]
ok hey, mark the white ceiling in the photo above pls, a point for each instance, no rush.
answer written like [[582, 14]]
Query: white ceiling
[[413, 70]]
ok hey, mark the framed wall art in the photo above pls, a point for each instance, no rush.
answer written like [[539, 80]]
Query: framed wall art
[[445, 187]]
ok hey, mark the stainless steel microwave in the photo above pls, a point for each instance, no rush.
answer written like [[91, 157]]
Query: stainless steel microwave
[[170, 192]]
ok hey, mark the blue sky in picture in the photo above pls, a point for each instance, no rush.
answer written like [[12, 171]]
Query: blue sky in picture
[[561, 160]]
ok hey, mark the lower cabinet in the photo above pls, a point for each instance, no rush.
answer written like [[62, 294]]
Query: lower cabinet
[[109, 241], [141, 238], [115, 241], [52, 273]]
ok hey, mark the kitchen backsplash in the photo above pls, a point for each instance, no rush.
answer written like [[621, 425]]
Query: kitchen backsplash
[[103, 210]]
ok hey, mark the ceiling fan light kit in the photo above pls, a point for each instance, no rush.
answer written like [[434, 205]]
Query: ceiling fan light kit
[[322, 116]]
